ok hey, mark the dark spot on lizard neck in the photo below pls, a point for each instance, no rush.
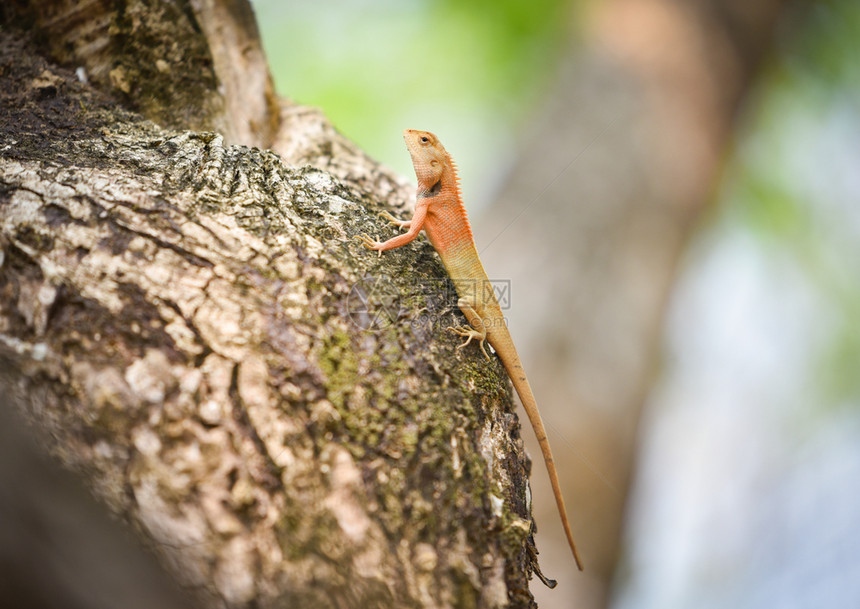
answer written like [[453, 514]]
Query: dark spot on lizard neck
[[425, 193]]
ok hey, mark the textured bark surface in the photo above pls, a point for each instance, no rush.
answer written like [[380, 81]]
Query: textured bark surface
[[191, 64], [273, 408], [60, 549]]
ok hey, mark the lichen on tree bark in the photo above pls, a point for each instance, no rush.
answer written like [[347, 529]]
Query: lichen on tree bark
[[176, 321]]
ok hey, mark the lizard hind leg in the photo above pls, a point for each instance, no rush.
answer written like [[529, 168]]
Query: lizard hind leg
[[475, 329]]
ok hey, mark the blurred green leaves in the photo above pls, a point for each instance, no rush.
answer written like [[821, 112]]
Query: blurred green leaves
[[825, 49], [470, 70], [794, 182]]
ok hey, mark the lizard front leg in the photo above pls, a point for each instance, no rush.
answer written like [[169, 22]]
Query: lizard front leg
[[415, 226], [475, 329], [392, 220]]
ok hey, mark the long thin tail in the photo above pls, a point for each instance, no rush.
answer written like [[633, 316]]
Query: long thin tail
[[512, 364]]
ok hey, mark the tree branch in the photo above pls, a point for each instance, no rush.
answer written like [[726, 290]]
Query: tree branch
[[272, 408]]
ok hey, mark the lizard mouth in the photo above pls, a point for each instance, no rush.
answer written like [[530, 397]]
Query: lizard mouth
[[409, 138], [413, 148]]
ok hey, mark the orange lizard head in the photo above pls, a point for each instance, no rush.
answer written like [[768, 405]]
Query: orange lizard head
[[428, 156]]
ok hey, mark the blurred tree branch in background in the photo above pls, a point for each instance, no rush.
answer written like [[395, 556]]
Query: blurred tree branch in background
[[604, 194]]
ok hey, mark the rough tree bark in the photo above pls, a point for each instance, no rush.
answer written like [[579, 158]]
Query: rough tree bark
[[189, 325], [60, 549]]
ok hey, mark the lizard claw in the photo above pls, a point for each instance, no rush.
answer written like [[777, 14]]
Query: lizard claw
[[369, 242], [394, 221], [461, 331], [468, 333]]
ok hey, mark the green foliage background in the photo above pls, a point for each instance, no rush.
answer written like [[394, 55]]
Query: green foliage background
[[469, 71]]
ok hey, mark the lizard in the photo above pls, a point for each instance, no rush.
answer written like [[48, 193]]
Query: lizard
[[440, 211]]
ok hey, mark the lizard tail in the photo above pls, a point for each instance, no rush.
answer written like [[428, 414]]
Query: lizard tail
[[512, 364]]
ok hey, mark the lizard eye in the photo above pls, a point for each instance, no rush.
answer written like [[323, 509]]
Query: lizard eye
[[424, 139]]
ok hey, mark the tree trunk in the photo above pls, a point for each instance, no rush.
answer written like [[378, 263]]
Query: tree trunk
[[190, 326]]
